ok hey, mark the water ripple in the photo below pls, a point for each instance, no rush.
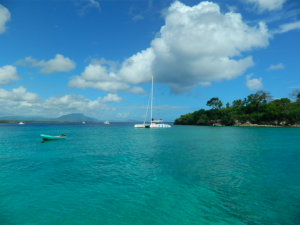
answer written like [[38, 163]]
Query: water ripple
[[120, 175]]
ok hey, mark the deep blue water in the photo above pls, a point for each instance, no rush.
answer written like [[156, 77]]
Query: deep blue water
[[115, 174]]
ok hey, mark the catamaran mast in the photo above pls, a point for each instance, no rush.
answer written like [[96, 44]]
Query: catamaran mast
[[151, 98]]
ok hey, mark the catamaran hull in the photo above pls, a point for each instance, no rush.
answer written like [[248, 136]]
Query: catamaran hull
[[141, 126], [160, 126]]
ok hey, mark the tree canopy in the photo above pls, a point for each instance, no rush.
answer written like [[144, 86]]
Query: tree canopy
[[256, 108], [295, 95], [214, 103]]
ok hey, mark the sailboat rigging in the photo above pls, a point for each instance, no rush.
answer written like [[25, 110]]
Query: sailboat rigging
[[153, 123]]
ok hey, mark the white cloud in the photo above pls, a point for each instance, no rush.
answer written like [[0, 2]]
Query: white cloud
[[276, 67], [73, 103], [196, 45], [4, 17], [91, 4], [124, 115], [270, 5], [205, 84], [80, 104], [111, 64], [138, 68], [20, 102], [8, 73], [94, 3], [253, 84], [137, 91], [138, 17], [288, 27], [58, 64], [79, 82], [98, 77], [111, 98], [232, 8], [18, 94]]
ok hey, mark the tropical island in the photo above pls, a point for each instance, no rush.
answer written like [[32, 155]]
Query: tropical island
[[259, 109]]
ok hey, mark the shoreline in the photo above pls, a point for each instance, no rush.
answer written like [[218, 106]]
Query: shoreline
[[252, 125], [218, 123]]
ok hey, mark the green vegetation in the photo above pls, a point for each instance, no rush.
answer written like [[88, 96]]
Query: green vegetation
[[258, 108]]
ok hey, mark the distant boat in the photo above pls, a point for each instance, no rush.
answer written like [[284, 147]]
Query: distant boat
[[50, 137], [83, 122], [21, 123], [153, 123], [106, 122]]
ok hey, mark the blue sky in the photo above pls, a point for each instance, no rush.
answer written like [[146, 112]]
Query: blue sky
[[98, 57]]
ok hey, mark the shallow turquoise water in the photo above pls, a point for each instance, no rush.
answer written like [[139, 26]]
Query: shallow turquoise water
[[115, 174]]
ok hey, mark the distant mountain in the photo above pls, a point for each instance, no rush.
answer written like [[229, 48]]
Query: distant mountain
[[74, 117]]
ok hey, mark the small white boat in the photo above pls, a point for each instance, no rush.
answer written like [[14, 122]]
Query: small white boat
[[83, 122], [21, 123], [106, 122], [153, 123]]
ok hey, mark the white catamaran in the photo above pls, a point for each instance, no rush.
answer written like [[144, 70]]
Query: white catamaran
[[153, 123]]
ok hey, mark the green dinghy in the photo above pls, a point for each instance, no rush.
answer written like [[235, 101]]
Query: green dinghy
[[49, 137]]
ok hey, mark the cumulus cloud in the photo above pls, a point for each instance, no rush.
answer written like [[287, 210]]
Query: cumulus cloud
[[97, 76], [58, 64], [253, 84], [270, 5], [80, 82], [124, 115], [276, 67], [18, 94], [196, 45], [20, 102], [73, 103], [8, 73], [79, 103], [112, 65], [137, 91], [288, 27], [4, 18], [205, 84], [111, 98]]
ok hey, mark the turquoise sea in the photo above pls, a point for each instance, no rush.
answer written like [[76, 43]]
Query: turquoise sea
[[115, 174]]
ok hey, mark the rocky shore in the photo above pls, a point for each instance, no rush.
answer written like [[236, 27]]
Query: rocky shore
[[238, 123]]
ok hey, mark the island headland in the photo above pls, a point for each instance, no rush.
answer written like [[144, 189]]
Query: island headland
[[258, 109]]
